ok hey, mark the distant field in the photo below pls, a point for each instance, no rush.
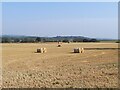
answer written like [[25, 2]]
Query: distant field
[[108, 41], [59, 67]]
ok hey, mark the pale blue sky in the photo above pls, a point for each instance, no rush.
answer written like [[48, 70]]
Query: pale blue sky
[[90, 19]]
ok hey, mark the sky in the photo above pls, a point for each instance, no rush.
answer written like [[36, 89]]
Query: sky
[[91, 19]]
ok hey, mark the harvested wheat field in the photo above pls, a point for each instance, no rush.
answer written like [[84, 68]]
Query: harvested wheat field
[[59, 67]]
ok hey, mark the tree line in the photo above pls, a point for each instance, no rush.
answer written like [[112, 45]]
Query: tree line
[[43, 39]]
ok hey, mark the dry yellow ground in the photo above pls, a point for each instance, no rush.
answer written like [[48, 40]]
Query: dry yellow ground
[[59, 67]]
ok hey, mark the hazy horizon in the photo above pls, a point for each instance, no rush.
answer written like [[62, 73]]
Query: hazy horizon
[[47, 19]]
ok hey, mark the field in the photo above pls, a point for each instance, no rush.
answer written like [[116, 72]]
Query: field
[[59, 67]]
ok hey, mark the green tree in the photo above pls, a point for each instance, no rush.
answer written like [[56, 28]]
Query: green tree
[[38, 39]]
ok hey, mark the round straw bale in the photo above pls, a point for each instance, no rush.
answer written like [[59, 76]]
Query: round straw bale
[[44, 50], [59, 45], [40, 50], [82, 50], [76, 50]]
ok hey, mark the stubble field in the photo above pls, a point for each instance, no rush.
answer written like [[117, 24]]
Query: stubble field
[[59, 68]]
